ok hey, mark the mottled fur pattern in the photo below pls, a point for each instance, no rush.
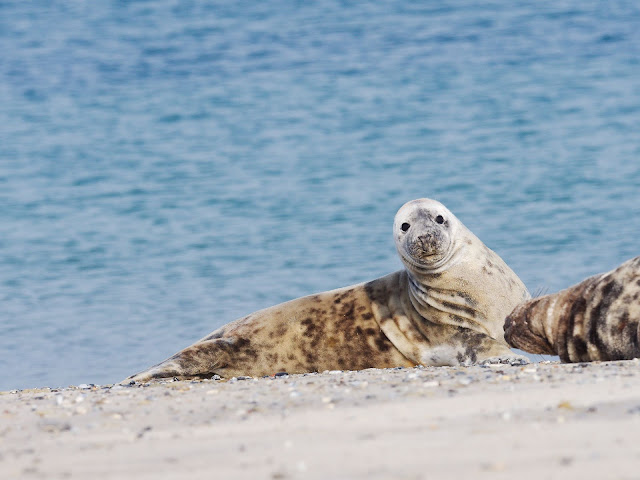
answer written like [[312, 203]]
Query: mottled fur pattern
[[445, 308], [596, 319]]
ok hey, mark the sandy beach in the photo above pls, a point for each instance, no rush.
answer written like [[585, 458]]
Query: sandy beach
[[545, 420]]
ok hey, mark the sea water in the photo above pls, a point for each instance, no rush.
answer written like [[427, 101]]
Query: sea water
[[169, 166]]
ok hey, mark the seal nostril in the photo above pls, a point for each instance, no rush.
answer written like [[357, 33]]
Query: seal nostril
[[440, 219], [405, 226]]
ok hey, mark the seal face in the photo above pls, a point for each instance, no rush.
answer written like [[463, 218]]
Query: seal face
[[446, 307], [596, 319], [423, 234]]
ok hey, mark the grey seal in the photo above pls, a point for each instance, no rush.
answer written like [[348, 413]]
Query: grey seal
[[596, 319], [446, 307]]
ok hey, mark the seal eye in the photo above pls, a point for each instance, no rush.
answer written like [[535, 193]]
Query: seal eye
[[405, 226], [440, 219]]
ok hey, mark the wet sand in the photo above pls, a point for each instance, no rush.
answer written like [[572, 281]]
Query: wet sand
[[539, 421]]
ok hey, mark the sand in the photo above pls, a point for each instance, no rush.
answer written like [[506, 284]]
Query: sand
[[539, 421]]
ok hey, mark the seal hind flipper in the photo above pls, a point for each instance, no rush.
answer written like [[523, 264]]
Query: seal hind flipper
[[201, 360]]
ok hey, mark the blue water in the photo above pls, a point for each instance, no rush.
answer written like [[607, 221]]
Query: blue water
[[168, 166]]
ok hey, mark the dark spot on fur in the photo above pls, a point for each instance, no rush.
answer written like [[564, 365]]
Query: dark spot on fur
[[346, 320], [240, 349], [609, 293], [623, 335], [471, 341], [349, 311], [383, 344], [633, 335], [310, 327], [217, 334], [623, 321], [457, 319], [566, 326], [423, 216], [281, 330], [627, 299], [469, 299], [376, 292], [432, 276], [579, 346], [367, 316], [460, 308]]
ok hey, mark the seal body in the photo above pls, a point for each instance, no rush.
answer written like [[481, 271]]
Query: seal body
[[597, 319], [446, 307]]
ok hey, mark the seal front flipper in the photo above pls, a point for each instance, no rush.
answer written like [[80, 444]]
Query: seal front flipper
[[499, 354], [465, 347], [483, 349]]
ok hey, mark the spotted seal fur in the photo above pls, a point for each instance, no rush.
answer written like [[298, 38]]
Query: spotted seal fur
[[597, 319], [446, 307]]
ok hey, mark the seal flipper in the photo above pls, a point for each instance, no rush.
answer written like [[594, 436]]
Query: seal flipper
[[201, 360], [466, 347], [499, 353]]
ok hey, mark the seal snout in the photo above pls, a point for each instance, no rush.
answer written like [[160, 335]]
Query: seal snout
[[426, 244], [428, 241], [423, 231]]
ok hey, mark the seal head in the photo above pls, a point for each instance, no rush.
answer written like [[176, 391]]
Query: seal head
[[453, 294], [453, 277], [424, 230]]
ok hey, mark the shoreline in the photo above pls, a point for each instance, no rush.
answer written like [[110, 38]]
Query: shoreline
[[542, 420]]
